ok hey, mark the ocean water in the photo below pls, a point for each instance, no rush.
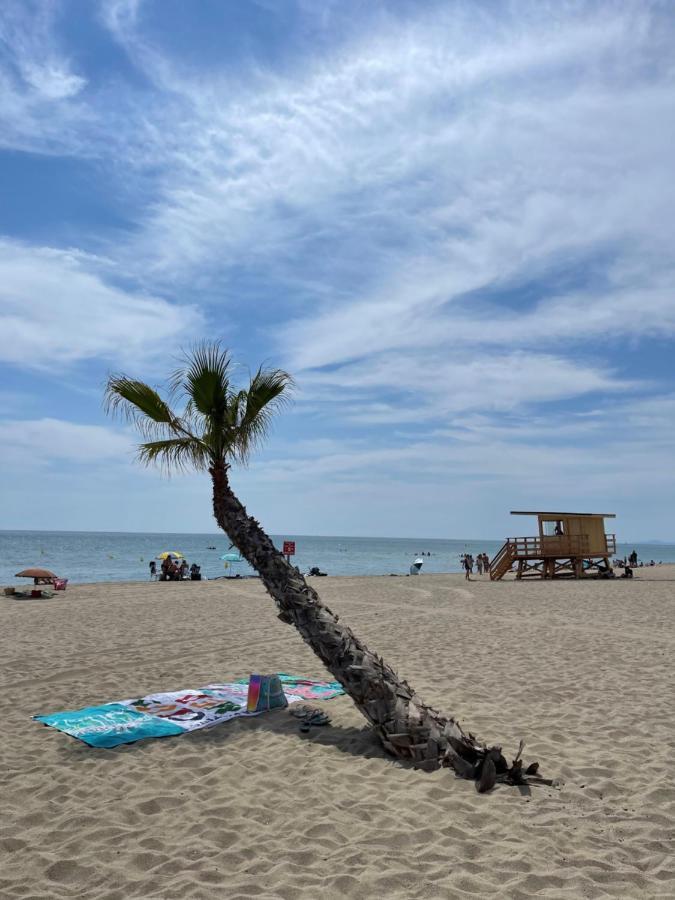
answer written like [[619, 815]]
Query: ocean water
[[116, 556]]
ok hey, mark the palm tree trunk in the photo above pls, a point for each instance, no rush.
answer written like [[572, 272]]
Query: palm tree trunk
[[408, 728]]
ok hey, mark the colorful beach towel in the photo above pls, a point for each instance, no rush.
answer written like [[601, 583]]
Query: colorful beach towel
[[176, 712], [305, 688]]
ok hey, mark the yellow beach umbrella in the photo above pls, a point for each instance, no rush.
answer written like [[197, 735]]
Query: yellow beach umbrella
[[173, 553]]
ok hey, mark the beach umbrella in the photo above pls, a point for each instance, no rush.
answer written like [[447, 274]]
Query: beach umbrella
[[230, 558], [43, 576], [174, 554]]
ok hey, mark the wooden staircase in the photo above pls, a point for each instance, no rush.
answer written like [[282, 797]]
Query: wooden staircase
[[503, 561]]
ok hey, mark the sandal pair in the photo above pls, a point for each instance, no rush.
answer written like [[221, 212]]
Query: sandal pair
[[310, 717], [302, 711]]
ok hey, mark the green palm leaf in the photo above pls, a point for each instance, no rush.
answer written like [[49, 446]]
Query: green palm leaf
[[218, 422], [175, 453], [268, 392], [205, 380], [139, 403]]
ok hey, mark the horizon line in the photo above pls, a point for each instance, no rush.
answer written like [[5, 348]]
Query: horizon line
[[654, 542]]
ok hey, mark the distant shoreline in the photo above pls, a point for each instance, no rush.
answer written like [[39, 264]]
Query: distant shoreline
[[314, 580]]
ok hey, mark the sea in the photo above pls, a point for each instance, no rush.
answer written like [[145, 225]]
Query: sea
[[83, 556]]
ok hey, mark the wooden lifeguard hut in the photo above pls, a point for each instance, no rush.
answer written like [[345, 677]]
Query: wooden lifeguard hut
[[568, 546]]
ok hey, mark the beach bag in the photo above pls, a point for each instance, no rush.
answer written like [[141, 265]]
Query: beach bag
[[265, 692]]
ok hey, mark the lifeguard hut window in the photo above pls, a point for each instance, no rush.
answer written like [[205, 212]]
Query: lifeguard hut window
[[552, 527]]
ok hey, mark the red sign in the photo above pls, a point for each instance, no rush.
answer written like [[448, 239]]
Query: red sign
[[289, 548]]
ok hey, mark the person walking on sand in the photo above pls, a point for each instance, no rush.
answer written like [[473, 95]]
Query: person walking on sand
[[479, 563], [468, 566]]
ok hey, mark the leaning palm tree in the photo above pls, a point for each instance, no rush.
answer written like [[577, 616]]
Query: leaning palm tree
[[219, 425]]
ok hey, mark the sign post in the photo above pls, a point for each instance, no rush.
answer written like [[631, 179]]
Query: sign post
[[289, 550]]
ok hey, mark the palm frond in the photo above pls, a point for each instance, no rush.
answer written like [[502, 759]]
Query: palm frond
[[268, 392], [175, 453], [217, 423], [204, 379], [139, 403]]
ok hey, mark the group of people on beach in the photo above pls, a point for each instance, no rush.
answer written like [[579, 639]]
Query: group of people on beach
[[633, 562], [482, 563], [171, 570]]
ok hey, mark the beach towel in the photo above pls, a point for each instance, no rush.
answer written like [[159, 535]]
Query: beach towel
[[306, 688], [175, 712]]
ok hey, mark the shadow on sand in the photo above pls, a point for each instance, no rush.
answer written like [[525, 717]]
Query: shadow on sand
[[359, 742]]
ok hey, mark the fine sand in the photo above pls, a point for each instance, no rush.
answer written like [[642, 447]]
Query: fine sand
[[583, 671]]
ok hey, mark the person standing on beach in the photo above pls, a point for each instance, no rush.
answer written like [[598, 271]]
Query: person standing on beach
[[468, 566], [153, 569]]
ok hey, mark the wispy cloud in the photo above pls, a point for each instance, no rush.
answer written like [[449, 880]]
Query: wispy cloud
[[58, 307], [39, 84], [450, 221], [27, 34], [604, 451], [463, 136], [42, 442], [398, 190], [414, 387]]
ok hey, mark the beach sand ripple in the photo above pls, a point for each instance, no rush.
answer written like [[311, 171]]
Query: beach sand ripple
[[254, 809]]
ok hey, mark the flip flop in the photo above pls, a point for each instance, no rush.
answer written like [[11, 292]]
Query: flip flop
[[305, 727], [302, 712], [319, 718]]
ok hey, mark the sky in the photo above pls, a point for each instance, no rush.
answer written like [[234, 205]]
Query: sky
[[451, 222]]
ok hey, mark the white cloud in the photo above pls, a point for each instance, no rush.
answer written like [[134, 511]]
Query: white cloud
[[431, 386], [418, 201], [618, 454], [474, 132], [56, 308], [28, 40], [397, 188], [39, 88], [52, 79], [40, 442]]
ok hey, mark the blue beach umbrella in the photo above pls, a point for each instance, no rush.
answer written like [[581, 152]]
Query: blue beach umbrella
[[230, 559]]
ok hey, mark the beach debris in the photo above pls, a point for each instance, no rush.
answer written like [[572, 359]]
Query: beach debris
[[488, 775], [487, 766]]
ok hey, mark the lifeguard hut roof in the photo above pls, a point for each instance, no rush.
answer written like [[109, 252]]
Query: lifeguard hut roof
[[562, 515]]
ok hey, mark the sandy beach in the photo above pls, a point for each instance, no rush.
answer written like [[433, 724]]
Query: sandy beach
[[583, 671]]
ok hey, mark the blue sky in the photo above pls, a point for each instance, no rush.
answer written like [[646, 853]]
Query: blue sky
[[452, 222]]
